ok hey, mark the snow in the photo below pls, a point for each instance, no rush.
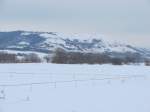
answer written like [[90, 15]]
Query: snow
[[74, 88], [46, 35], [26, 33], [15, 46], [52, 40], [24, 43], [104, 45], [77, 43], [120, 48], [24, 52], [82, 36]]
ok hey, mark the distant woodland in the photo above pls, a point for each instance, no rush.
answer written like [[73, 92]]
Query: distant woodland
[[61, 56]]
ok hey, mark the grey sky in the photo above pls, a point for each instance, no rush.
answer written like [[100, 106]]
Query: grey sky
[[123, 20]]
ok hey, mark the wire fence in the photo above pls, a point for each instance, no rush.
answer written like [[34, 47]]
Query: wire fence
[[50, 78], [56, 78]]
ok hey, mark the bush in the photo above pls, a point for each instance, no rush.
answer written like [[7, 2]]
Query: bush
[[60, 56], [147, 62], [8, 58], [31, 58], [47, 58], [64, 57], [117, 61]]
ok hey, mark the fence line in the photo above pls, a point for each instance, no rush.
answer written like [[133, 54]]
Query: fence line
[[70, 81], [73, 80], [23, 75]]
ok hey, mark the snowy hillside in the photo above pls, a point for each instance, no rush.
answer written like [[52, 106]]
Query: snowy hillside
[[74, 88], [47, 42]]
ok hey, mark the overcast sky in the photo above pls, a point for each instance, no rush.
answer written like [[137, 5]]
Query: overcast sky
[[122, 20]]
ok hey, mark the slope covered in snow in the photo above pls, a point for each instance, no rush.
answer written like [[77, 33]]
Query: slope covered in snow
[[47, 42], [74, 88]]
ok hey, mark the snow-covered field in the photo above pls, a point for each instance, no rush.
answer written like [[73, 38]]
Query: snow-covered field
[[74, 88]]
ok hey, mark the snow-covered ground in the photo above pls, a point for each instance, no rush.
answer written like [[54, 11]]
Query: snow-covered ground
[[41, 55], [74, 88]]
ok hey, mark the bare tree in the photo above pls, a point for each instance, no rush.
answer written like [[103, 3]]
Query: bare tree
[[60, 56], [147, 62], [47, 58], [8, 58], [31, 58]]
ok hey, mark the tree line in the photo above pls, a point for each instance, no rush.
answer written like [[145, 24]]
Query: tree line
[[61, 56], [13, 58]]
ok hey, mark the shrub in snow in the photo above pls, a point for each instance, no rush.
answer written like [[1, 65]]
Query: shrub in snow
[[64, 57], [147, 62], [31, 58], [8, 58]]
